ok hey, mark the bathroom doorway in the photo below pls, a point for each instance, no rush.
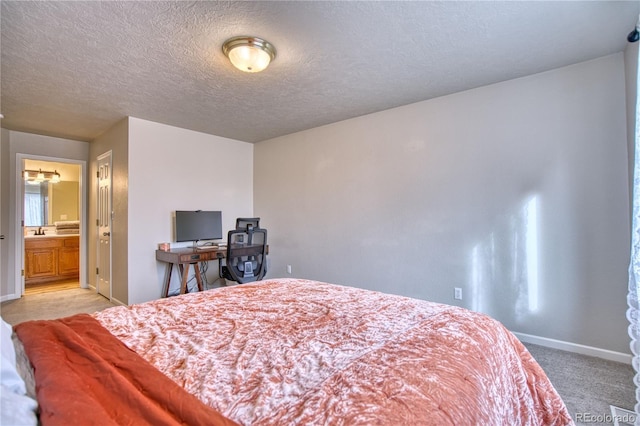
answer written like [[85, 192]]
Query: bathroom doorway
[[51, 212]]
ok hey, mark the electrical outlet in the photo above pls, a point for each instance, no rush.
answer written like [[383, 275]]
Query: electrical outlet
[[457, 293], [288, 269]]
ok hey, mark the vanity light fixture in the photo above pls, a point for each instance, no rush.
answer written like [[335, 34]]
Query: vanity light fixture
[[36, 176], [249, 54]]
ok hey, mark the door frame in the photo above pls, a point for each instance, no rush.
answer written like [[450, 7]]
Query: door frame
[[19, 203]]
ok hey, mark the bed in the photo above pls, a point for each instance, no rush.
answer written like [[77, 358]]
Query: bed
[[287, 352]]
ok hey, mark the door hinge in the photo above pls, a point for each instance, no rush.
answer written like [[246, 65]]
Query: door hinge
[[97, 222], [98, 174], [97, 271], [23, 272]]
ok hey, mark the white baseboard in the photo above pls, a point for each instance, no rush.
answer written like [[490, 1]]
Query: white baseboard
[[117, 302], [575, 348], [7, 297]]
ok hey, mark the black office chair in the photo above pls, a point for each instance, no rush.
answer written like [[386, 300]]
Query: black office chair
[[246, 254]]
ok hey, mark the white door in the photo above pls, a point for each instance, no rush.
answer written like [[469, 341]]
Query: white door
[[104, 225]]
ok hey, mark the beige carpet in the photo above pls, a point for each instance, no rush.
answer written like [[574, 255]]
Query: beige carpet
[[587, 385], [52, 305]]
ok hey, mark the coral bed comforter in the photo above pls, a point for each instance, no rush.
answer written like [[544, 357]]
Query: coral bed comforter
[[283, 352]]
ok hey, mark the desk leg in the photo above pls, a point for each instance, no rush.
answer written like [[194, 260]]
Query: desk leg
[[167, 279], [185, 275], [198, 277]]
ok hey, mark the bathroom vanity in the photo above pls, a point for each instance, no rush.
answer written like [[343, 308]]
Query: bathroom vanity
[[51, 258]]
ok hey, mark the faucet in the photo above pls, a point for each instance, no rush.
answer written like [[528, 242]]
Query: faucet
[[40, 231]]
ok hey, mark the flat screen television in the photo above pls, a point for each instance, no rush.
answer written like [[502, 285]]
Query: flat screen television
[[198, 225]]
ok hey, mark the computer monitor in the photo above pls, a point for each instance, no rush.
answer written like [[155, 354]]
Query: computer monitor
[[198, 225]]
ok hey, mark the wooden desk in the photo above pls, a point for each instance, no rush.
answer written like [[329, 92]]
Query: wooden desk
[[183, 257]]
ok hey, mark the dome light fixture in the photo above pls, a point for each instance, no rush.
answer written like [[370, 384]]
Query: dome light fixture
[[249, 54]]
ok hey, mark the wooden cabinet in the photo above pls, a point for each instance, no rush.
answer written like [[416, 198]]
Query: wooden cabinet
[[41, 264], [49, 259]]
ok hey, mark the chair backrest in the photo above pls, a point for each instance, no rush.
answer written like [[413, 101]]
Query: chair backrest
[[246, 254], [243, 222]]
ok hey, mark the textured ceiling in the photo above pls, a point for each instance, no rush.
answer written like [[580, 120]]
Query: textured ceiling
[[73, 69]]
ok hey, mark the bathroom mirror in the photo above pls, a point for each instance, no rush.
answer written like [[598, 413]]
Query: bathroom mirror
[[45, 202]]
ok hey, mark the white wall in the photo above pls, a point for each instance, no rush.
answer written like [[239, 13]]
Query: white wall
[[515, 192], [176, 169], [36, 145]]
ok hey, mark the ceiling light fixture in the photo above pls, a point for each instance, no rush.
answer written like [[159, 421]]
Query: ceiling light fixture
[[249, 54]]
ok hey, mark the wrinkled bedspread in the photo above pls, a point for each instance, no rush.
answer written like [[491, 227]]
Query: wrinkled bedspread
[[282, 352], [85, 376]]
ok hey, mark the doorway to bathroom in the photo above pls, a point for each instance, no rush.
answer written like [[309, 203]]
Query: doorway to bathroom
[[52, 210]]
